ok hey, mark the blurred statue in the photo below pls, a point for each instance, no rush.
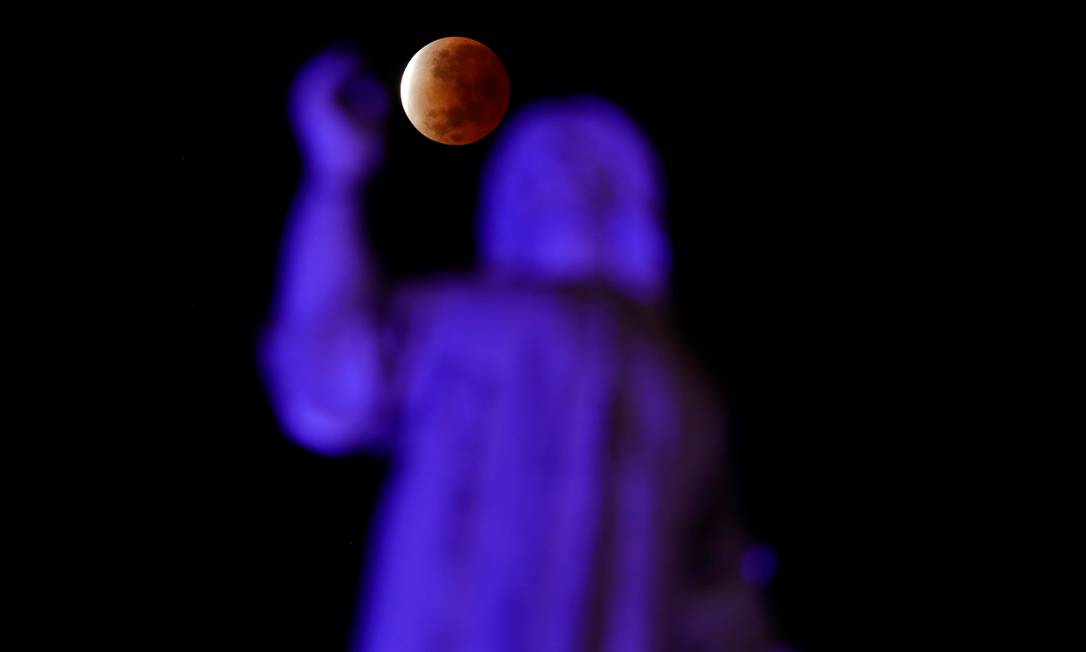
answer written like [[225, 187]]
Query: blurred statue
[[559, 456]]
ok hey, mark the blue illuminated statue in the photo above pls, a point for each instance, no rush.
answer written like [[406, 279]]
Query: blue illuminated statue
[[556, 448]]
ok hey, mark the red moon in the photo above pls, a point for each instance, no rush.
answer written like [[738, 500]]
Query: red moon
[[455, 90]]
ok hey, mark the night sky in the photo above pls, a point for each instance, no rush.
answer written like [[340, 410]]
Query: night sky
[[795, 241]]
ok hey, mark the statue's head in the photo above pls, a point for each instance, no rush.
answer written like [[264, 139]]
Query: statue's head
[[574, 191]]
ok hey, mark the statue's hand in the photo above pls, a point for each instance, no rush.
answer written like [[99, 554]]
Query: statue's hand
[[338, 113]]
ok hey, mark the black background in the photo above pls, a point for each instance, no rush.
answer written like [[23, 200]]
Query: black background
[[801, 239]]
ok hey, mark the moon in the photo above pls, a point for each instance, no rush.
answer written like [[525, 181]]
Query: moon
[[455, 90]]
